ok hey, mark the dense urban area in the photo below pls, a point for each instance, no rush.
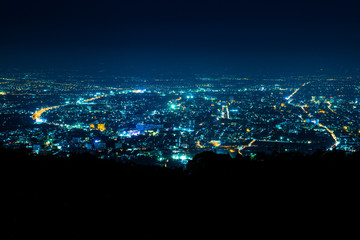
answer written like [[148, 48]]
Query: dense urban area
[[87, 156], [158, 119], [166, 121]]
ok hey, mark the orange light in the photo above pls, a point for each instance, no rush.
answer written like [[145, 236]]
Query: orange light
[[215, 143], [101, 126], [37, 114]]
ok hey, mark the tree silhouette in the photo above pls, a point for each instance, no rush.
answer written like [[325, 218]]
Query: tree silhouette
[[82, 196]]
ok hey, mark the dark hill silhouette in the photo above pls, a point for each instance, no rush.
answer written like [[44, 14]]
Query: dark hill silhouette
[[329, 164], [215, 196]]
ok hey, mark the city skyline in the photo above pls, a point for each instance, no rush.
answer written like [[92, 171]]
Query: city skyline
[[179, 76], [168, 121]]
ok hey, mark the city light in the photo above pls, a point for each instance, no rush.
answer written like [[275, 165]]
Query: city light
[[139, 91], [224, 119], [39, 120]]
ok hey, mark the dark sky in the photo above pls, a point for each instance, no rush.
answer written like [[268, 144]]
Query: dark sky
[[200, 36]]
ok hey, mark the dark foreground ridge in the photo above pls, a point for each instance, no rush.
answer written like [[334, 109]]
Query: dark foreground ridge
[[215, 196]]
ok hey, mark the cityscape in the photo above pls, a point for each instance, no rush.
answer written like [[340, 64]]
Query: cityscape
[[158, 119], [167, 121]]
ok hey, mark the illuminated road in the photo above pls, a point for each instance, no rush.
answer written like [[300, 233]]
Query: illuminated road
[[245, 146], [329, 107], [291, 95], [309, 115], [94, 98], [326, 128], [37, 114], [332, 135]]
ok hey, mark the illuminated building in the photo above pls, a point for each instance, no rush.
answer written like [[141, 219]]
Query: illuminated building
[[101, 126], [225, 112], [145, 127]]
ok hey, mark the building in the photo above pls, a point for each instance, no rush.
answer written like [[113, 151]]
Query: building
[[145, 127]]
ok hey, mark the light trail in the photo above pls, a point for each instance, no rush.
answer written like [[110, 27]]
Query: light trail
[[250, 144], [37, 114], [302, 107], [337, 142], [332, 135], [326, 128], [291, 95], [245, 146], [94, 98], [198, 145], [329, 107]]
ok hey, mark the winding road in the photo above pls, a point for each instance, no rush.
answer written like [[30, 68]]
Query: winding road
[[37, 114], [337, 142]]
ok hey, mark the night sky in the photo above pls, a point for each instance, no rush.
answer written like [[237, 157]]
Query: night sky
[[181, 36]]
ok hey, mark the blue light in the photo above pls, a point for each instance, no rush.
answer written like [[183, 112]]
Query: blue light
[[40, 120]]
